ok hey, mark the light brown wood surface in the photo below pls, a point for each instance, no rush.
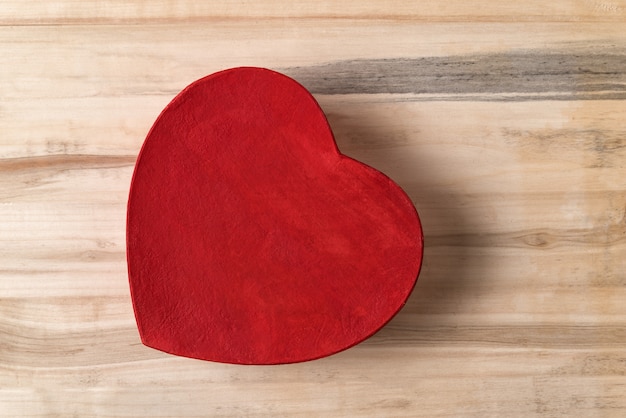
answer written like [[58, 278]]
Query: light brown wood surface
[[504, 121]]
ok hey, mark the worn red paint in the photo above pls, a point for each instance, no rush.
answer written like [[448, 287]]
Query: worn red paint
[[251, 239]]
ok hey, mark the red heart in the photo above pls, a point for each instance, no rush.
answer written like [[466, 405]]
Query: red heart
[[251, 239]]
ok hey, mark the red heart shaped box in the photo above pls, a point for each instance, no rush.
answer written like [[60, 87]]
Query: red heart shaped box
[[251, 239]]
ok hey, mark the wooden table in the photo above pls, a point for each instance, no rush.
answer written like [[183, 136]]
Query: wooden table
[[504, 121]]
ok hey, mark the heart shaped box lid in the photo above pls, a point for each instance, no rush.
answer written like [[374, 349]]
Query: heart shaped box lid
[[251, 238]]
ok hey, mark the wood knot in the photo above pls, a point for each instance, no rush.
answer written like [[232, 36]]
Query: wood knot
[[539, 239]]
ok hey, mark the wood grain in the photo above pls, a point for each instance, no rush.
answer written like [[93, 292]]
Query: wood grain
[[137, 11], [503, 121], [576, 73]]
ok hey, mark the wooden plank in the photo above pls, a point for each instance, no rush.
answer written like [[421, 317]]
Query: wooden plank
[[110, 78], [138, 11], [507, 388]]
